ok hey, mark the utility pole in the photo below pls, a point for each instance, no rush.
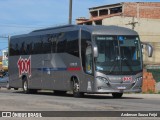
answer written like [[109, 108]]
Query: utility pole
[[70, 12], [133, 23]]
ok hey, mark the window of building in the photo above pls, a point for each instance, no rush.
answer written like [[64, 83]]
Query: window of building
[[94, 13], [103, 12], [115, 10]]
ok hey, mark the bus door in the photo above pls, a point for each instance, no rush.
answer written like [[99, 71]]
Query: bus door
[[89, 68], [87, 61]]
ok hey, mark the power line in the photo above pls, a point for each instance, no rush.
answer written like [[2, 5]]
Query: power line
[[2, 36]]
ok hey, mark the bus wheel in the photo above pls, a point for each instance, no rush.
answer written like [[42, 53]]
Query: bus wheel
[[117, 95], [76, 92], [25, 86]]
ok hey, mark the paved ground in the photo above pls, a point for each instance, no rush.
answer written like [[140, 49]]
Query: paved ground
[[11, 100]]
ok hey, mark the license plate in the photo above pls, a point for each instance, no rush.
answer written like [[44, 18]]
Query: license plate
[[121, 88]]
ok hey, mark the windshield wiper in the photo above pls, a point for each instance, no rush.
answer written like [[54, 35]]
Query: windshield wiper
[[128, 65], [114, 66]]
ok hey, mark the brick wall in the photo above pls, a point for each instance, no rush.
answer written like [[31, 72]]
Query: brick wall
[[142, 10]]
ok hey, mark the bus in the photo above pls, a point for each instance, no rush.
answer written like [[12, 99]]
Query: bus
[[78, 58]]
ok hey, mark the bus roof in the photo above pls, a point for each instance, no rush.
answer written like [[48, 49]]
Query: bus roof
[[98, 29]]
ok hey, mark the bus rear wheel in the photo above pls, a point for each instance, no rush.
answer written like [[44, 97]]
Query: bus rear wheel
[[26, 90], [76, 92], [117, 95], [25, 86]]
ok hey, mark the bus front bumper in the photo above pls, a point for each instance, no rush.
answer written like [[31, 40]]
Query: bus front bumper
[[118, 87]]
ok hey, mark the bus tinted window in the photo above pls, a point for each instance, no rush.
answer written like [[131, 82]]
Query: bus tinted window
[[14, 47], [72, 43], [62, 41], [44, 44], [37, 44]]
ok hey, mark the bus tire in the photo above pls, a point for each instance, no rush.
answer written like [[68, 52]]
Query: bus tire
[[117, 95], [25, 86], [76, 92]]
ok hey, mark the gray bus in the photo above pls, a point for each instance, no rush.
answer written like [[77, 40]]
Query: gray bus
[[78, 58]]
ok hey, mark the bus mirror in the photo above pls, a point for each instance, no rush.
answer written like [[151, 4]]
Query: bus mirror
[[95, 50], [88, 50], [149, 49]]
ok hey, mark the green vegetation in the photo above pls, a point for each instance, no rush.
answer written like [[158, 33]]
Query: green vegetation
[[155, 73]]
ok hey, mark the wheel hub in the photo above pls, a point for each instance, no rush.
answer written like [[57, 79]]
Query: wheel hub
[[25, 86], [76, 87]]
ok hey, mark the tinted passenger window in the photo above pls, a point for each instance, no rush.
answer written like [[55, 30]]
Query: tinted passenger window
[[14, 47], [72, 43], [62, 42], [46, 44]]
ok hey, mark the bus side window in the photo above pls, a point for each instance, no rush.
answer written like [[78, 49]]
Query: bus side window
[[72, 43], [46, 44], [62, 42]]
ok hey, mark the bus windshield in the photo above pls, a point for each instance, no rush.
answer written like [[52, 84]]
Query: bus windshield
[[118, 55]]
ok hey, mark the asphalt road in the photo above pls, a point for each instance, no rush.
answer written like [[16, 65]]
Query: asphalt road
[[11, 100]]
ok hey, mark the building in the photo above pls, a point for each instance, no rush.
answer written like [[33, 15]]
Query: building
[[143, 17], [5, 60], [0, 63]]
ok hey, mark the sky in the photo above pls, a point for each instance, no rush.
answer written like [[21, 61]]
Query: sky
[[23, 16]]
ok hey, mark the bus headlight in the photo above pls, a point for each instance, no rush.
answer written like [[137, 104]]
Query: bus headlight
[[102, 79], [138, 79]]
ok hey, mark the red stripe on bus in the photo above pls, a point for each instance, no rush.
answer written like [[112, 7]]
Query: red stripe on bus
[[74, 69]]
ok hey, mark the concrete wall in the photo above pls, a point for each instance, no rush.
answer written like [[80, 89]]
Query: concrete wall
[[148, 29]]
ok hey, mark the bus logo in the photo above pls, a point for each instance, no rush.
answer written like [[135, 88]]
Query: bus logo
[[24, 66], [125, 79]]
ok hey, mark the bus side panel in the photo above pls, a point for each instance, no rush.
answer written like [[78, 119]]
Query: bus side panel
[[35, 78], [19, 67], [52, 72], [73, 68], [14, 79]]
